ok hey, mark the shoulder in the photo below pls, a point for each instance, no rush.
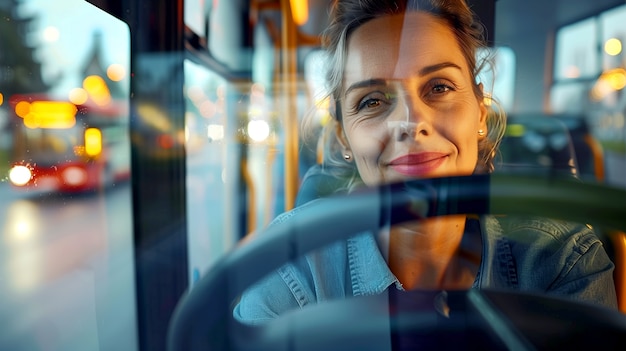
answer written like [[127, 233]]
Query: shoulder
[[550, 250], [291, 214], [551, 232], [550, 256]]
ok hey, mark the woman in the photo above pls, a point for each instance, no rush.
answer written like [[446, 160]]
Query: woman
[[407, 105]]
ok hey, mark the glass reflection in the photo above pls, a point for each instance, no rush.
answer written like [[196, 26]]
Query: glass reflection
[[66, 254]]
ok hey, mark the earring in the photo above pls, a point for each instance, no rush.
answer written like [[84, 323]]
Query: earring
[[347, 157], [481, 132]]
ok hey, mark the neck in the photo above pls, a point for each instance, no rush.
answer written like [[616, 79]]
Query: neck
[[428, 254]]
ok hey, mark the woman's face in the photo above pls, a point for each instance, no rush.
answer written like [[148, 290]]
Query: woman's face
[[408, 105]]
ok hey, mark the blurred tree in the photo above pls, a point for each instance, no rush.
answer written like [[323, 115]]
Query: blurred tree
[[95, 66], [20, 72]]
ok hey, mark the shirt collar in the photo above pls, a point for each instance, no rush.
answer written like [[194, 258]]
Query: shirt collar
[[369, 272]]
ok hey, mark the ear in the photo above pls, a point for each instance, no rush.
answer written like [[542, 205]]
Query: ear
[[341, 136], [483, 111]]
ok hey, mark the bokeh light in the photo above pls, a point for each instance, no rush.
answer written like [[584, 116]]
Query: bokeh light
[[215, 132], [50, 34], [613, 47], [116, 72], [22, 108], [78, 96], [258, 130], [97, 89]]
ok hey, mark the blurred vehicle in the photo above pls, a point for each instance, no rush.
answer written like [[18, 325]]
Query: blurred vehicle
[[62, 147]]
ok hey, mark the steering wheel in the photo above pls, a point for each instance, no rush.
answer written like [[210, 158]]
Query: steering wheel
[[203, 318]]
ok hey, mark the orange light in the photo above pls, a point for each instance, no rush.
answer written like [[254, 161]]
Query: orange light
[[1, 99], [22, 109], [93, 142], [609, 82], [165, 141], [97, 89], [300, 11], [50, 115], [616, 78]]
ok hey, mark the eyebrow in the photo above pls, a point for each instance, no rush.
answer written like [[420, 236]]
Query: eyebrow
[[422, 72], [365, 83], [434, 68]]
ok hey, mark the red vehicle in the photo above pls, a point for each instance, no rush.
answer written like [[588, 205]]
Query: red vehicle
[[59, 146]]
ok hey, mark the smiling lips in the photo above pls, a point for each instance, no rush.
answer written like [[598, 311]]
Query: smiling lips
[[418, 165]]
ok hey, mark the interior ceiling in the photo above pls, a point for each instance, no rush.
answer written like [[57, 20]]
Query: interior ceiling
[[515, 18]]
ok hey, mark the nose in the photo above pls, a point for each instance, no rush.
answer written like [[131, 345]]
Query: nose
[[402, 130], [409, 123]]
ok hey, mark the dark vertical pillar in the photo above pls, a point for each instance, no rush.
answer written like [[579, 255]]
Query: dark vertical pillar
[[158, 160], [486, 11]]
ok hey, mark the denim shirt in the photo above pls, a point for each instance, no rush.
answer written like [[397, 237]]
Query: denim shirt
[[531, 255]]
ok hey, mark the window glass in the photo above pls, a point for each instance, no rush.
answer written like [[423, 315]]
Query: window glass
[[576, 54], [569, 96], [589, 79], [499, 79], [66, 248], [207, 137], [613, 37], [195, 15]]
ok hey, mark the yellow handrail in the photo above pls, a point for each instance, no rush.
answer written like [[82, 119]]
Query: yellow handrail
[[289, 73]]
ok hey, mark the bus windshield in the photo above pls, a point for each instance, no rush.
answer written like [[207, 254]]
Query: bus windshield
[[212, 170]]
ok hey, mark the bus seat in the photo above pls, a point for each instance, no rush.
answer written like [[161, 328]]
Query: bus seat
[[537, 140], [588, 151], [537, 145], [319, 181]]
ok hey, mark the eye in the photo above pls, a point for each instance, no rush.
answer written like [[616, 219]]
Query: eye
[[441, 88], [375, 100], [369, 103]]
